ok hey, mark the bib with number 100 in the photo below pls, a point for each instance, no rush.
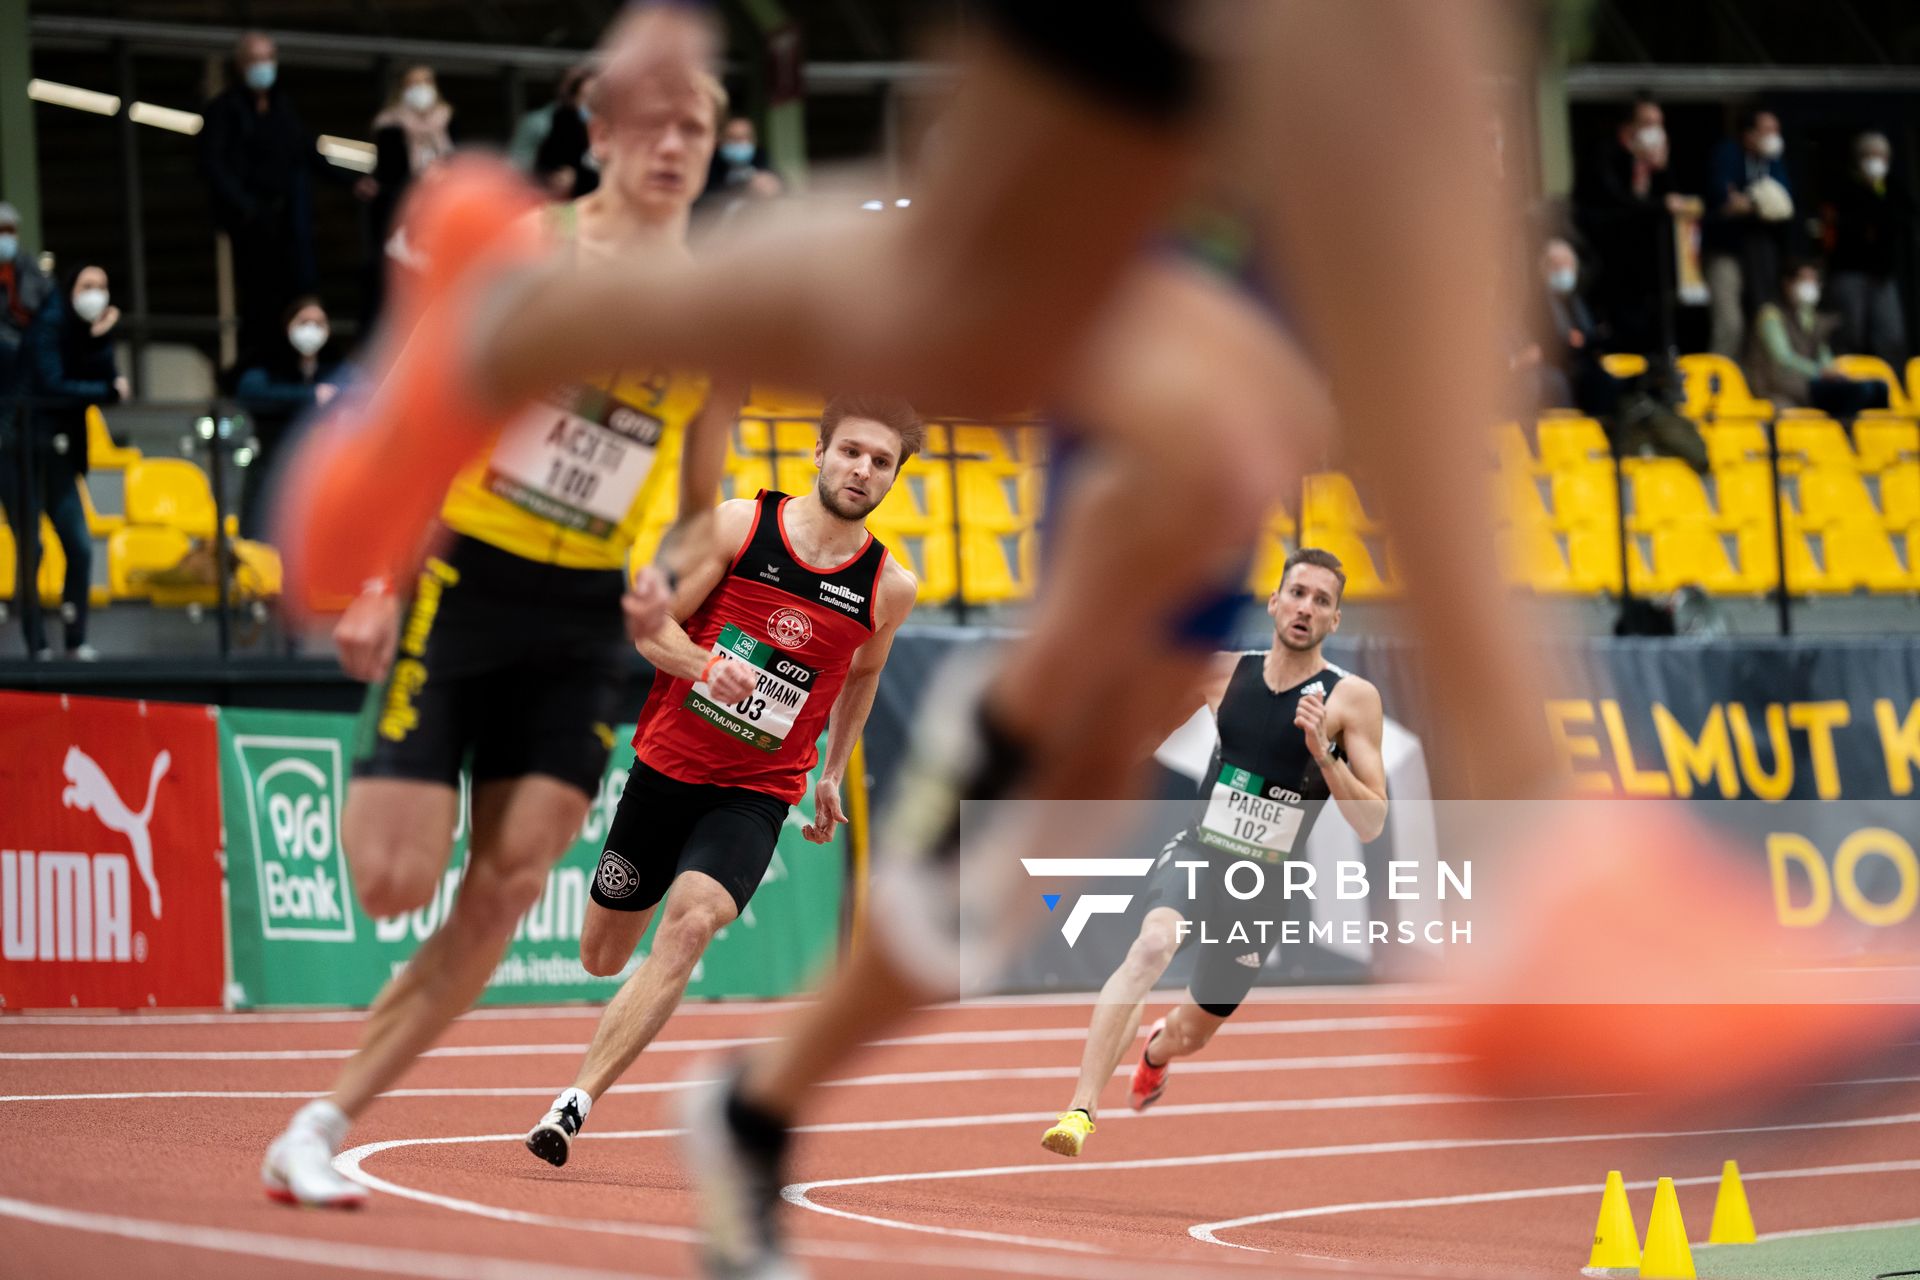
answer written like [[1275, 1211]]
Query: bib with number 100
[[581, 464], [1249, 817], [765, 717]]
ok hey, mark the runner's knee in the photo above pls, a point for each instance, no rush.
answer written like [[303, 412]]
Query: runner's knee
[[1152, 951], [499, 890], [394, 873], [689, 925]]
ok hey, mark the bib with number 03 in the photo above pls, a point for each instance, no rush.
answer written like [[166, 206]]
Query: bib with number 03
[[579, 464], [1251, 818], [765, 717]]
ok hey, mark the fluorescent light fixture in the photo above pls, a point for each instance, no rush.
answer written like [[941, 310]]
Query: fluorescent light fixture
[[876, 206], [902, 203], [67, 95], [347, 152], [187, 122]]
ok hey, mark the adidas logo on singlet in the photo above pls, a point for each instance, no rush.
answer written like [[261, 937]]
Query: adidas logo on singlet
[[842, 598]]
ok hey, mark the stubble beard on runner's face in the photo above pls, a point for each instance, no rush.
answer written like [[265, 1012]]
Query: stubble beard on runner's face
[[836, 500]]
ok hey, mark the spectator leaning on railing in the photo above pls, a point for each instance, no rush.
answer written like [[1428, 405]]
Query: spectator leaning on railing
[[71, 366], [1867, 224]]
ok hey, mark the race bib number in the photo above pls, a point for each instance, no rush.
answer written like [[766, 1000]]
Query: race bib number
[[579, 464], [765, 717], [1249, 817]]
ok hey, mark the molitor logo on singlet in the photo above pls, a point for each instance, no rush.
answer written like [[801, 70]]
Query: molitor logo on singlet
[[293, 789], [1088, 905], [841, 597], [109, 875]]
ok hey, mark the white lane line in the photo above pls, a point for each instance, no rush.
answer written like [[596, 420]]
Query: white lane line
[[351, 1163], [1299, 1026], [310, 1250], [1208, 1231], [1204, 1066], [800, 1193], [1384, 993]]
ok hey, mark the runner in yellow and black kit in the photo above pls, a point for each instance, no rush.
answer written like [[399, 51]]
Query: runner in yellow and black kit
[[513, 647]]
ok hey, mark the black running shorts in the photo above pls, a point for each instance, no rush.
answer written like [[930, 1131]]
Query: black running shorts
[[518, 663], [1231, 937], [664, 826]]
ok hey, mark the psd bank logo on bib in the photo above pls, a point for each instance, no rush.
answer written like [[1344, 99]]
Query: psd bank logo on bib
[[294, 788]]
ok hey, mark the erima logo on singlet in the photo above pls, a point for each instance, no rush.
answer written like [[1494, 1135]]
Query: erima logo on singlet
[[842, 598]]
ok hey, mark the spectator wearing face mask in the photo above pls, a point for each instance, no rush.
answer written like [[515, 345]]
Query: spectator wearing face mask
[[1626, 205], [305, 373], [564, 164], [1867, 224], [1743, 235], [1790, 358], [71, 366], [411, 135], [740, 166], [23, 288], [259, 162]]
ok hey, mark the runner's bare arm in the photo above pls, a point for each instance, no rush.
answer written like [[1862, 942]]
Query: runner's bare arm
[[669, 648], [1353, 716], [894, 602], [965, 298]]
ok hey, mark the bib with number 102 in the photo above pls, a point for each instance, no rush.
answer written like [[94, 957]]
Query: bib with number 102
[[578, 461], [765, 717], [1248, 816]]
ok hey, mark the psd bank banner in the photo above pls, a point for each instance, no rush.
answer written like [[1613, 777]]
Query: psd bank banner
[[300, 938], [110, 862]]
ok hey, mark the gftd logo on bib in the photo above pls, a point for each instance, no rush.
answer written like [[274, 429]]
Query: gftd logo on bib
[[1088, 905]]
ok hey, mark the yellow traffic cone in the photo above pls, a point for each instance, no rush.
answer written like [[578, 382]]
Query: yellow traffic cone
[[1732, 1221], [1666, 1256], [1616, 1244]]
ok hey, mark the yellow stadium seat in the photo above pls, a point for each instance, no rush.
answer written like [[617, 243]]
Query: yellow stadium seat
[[257, 571], [1331, 502], [996, 568], [1593, 558], [1664, 491], [1270, 555], [1624, 364], [1715, 387], [745, 477], [171, 492], [993, 498], [1831, 495], [795, 475], [1571, 442], [796, 436], [1511, 452], [1521, 500], [9, 565], [1860, 556], [1694, 554], [1744, 496], [1900, 496], [987, 444], [1585, 496], [136, 551], [99, 523], [102, 453], [752, 435], [1734, 442], [1366, 577], [1880, 443], [1532, 555], [1814, 440], [1913, 380], [1874, 369]]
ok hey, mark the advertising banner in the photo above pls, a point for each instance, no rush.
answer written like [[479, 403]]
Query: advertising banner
[[109, 853], [300, 938]]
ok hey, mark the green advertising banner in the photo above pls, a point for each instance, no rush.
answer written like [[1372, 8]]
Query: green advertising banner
[[300, 938]]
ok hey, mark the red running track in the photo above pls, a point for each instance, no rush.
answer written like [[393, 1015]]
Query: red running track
[[1316, 1135]]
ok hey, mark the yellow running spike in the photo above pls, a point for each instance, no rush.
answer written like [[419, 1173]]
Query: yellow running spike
[[1732, 1220], [1069, 1133], [1616, 1243], [1666, 1256]]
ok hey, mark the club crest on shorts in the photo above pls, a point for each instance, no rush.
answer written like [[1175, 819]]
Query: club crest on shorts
[[789, 628], [616, 877]]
